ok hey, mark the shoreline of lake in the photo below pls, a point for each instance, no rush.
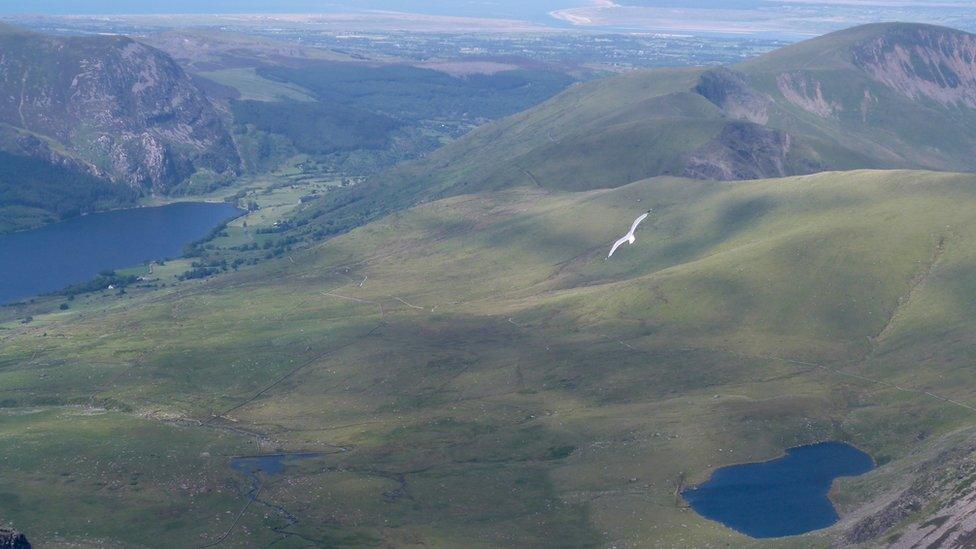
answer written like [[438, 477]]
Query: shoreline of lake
[[784, 496], [52, 257]]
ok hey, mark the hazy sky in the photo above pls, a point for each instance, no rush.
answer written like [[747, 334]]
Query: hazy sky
[[521, 9], [767, 18]]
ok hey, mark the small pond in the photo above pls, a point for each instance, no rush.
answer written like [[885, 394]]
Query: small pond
[[269, 464], [781, 497]]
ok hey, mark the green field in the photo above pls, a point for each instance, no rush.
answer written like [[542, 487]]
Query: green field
[[474, 373], [253, 86]]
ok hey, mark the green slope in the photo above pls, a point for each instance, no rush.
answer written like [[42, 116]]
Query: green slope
[[476, 374]]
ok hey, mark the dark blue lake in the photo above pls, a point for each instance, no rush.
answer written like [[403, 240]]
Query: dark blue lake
[[58, 255], [782, 497]]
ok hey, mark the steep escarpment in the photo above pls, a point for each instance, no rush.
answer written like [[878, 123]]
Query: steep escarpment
[[124, 109], [936, 510], [729, 91], [746, 151], [876, 96], [805, 92], [923, 62], [885, 95]]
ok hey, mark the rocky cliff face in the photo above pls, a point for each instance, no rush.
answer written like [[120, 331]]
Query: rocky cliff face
[[744, 151], [807, 93], [936, 510], [923, 62], [887, 95], [125, 109], [12, 539], [729, 91]]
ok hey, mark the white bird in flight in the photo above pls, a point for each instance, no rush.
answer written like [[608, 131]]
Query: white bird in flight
[[629, 238]]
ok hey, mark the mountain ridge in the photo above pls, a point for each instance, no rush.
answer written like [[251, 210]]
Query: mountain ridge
[[804, 108]]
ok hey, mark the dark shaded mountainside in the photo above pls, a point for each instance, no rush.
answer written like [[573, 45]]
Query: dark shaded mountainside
[[111, 115], [878, 96]]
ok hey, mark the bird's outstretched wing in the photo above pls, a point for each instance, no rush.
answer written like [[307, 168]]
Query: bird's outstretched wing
[[629, 237], [617, 245], [638, 222]]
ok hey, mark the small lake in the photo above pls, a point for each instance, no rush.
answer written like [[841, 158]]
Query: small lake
[[52, 257], [269, 464], [782, 497]]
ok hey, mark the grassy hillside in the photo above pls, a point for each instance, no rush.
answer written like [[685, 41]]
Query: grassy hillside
[[474, 373], [568, 141], [249, 86]]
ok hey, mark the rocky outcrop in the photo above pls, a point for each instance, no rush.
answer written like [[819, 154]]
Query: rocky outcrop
[[742, 151], [923, 62], [12, 539], [937, 510], [886, 518], [124, 108], [728, 90], [806, 93]]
